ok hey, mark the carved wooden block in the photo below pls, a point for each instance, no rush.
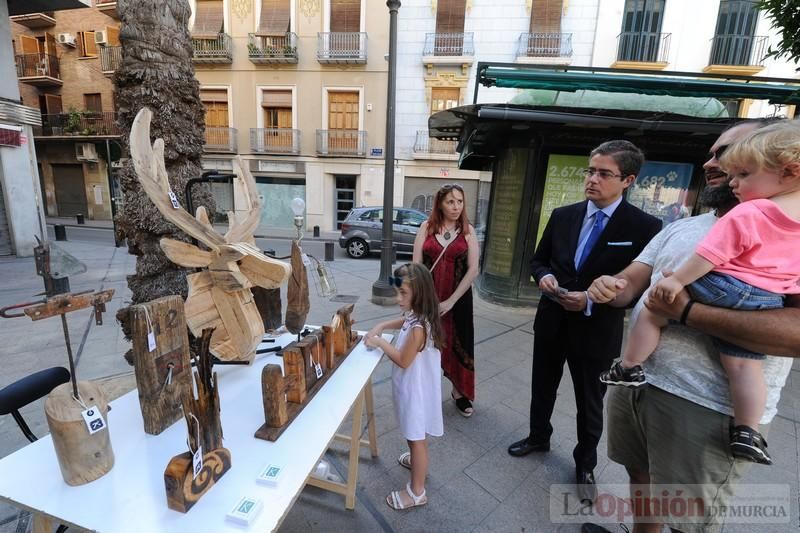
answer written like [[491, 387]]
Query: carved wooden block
[[273, 389], [294, 365], [327, 338], [344, 338], [161, 375], [184, 490]]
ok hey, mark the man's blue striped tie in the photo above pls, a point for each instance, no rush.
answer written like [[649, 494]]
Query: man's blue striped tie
[[594, 236]]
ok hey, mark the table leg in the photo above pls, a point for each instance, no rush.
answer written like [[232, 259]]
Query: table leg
[[373, 434], [42, 523], [355, 437]]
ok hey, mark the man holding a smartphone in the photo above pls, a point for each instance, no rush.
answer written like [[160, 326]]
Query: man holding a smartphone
[[582, 241]]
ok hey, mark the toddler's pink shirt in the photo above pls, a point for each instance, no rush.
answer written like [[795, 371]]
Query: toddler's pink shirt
[[757, 243]]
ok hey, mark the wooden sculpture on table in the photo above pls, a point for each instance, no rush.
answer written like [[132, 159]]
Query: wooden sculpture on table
[[219, 297], [297, 305], [186, 477], [307, 365], [160, 360]]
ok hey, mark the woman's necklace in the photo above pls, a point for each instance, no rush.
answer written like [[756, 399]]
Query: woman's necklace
[[447, 234]]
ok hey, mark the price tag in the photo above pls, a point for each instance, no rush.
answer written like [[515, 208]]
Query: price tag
[[197, 462], [306, 260], [94, 420], [318, 370], [151, 342], [174, 200]]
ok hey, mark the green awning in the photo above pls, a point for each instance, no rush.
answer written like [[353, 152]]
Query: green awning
[[777, 91]]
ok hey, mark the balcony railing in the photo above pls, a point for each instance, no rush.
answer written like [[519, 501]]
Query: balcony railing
[[110, 58], [342, 47], [272, 48], [342, 142], [427, 145], [220, 139], [643, 47], [213, 50], [449, 44], [43, 19], [85, 123], [38, 69], [745, 50], [275, 140], [545, 45]]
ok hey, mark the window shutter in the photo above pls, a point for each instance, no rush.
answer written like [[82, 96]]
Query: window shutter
[[546, 16], [450, 16], [214, 95], [275, 17], [52, 104], [50, 44], [29, 44], [276, 99], [346, 15], [112, 34], [90, 47], [208, 20]]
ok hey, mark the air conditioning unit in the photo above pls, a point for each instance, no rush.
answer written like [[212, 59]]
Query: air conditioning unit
[[85, 152], [101, 37], [66, 39]]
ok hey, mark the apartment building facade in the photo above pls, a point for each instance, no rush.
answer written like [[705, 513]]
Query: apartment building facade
[[64, 61], [297, 88]]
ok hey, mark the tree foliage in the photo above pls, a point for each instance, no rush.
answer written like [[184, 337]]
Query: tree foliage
[[785, 17]]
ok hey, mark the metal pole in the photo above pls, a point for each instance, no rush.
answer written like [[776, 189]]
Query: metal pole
[[382, 292], [111, 192]]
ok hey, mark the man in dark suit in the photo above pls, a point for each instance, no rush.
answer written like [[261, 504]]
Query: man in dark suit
[[582, 241]]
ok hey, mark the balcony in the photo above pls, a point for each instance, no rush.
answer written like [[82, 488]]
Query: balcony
[[110, 59], [737, 54], [220, 139], [642, 50], [342, 47], [41, 70], [264, 49], [35, 21], [342, 143], [107, 8], [78, 123], [212, 50], [275, 140], [548, 48], [449, 49], [426, 147]]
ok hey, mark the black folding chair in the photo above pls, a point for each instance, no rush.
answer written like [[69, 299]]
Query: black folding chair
[[27, 390]]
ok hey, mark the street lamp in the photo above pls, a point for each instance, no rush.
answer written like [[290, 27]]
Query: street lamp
[[382, 292]]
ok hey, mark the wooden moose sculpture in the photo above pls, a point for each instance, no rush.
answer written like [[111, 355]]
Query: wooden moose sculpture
[[220, 296]]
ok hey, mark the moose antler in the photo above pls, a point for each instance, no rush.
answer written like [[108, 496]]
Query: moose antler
[[239, 231], [148, 161]]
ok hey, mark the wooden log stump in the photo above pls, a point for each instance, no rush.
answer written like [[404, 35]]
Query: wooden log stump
[[82, 457], [163, 373], [183, 489]]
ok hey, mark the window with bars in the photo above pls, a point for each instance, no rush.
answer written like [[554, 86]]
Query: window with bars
[[641, 30], [734, 37]]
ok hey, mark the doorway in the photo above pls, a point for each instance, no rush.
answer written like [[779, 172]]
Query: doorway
[[70, 190], [345, 198]]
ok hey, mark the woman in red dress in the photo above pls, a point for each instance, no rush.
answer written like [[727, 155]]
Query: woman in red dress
[[446, 243]]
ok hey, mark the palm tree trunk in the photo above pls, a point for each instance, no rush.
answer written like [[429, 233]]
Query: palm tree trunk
[[157, 71]]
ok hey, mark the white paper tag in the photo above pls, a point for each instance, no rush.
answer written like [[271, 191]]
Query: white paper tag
[[94, 420], [174, 200], [197, 462], [151, 342], [318, 370], [306, 260]]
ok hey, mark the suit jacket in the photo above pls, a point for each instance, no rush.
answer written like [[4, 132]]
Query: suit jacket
[[626, 233]]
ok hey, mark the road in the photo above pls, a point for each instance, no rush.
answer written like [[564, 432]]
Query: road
[[282, 246]]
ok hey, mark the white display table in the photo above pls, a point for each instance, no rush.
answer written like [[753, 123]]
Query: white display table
[[131, 497]]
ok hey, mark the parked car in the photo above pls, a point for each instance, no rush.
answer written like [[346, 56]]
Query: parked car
[[362, 230]]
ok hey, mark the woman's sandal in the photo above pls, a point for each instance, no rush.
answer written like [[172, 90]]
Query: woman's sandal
[[464, 405], [395, 501], [405, 460]]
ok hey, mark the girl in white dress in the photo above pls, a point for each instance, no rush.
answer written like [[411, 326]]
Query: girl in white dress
[[416, 375]]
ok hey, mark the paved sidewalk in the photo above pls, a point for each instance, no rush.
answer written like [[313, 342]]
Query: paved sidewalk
[[474, 485]]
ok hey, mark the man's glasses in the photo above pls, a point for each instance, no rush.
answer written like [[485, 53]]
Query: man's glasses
[[716, 154], [451, 186], [600, 173]]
